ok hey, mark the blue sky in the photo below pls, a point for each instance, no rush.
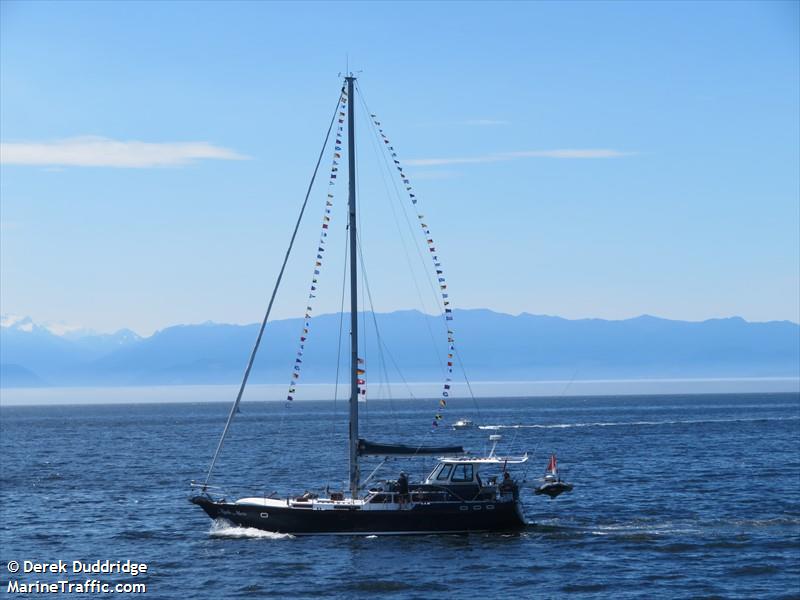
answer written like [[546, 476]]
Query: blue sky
[[577, 159]]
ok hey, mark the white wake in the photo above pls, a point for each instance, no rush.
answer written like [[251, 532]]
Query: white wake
[[626, 423], [224, 529]]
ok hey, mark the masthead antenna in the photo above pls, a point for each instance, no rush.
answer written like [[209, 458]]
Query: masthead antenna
[[347, 71]]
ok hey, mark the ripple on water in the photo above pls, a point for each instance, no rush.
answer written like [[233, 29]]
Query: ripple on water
[[377, 586], [137, 534], [678, 548], [253, 589], [753, 570], [584, 588]]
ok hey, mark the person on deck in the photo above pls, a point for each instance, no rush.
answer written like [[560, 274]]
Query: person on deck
[[402, 488], [508, 485]]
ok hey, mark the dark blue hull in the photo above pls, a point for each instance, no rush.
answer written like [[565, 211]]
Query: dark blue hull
[[435, 517]]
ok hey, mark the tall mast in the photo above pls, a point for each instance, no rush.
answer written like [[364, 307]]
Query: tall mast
[[351, 157]]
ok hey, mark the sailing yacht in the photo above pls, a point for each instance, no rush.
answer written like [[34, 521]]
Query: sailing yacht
[[452, 498]]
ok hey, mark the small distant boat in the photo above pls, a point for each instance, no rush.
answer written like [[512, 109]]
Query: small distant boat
[[463, 424], [552, 485]]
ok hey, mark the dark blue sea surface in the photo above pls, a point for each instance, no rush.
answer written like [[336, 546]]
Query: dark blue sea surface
[[675, 496]]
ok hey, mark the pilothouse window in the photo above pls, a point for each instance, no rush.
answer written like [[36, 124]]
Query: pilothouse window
[[444, 473], [462, 473]]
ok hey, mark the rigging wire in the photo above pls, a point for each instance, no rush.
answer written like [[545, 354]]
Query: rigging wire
[[362, 349], [466, 380], [377, 334], [338, 354], [413, 236], [383, 371], [416, 246], [376, 142], [381, 344], [401, 202], [235, 405]]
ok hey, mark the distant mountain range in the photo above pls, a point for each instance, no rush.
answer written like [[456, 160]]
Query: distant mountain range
[[493, 347]]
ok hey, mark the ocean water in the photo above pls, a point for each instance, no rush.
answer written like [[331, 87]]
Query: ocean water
[[675, 496]]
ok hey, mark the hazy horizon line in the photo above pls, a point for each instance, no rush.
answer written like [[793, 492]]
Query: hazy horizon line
[[275, 392], [61, 329]]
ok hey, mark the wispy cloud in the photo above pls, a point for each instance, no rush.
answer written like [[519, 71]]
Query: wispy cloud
[[588, 153], [505, 156], [93, 151]]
